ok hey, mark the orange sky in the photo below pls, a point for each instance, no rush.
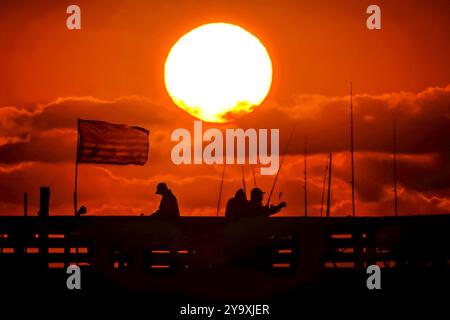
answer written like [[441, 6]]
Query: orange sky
[[113, 70]]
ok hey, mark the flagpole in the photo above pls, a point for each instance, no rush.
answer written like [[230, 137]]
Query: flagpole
[[75, 205]]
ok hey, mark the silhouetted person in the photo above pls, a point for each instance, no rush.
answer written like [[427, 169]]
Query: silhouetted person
[[256, 207], [237, 206], [168, 207]]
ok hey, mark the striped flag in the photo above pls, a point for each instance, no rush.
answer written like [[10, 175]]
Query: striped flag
[[107, 143]]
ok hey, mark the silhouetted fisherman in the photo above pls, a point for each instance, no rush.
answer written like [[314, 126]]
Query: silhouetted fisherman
[[168, 207], [237, 206], [256, 207]]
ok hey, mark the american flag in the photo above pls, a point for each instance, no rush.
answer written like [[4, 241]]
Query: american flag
[[107, 143]]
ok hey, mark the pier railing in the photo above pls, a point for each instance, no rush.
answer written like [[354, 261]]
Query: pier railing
[[140, 252]]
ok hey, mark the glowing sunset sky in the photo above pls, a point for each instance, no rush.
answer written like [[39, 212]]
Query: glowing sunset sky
[[113, 70]]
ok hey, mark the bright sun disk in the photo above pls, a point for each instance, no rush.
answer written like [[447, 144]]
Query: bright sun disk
[[218, 72]]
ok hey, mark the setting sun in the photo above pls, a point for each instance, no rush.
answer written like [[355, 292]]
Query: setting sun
[[218, 72]]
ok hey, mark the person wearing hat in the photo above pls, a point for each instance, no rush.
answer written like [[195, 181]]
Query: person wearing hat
[[256, 207], [236, 206], [168, 207]]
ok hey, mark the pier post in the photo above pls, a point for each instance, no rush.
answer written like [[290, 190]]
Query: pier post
[[44, 202], [25, 204]]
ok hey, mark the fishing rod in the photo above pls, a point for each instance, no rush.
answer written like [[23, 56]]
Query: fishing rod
[[221, 187], [243, 179], [279, 168], [254, 177], [323, 188]]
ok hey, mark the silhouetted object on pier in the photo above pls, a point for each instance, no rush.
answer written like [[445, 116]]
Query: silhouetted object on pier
[[81, 211], [256, 207], [25, 204], [237, 206], [44, 202], [168, 207]]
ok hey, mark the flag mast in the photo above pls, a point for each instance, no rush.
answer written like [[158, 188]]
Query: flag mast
[[75, 205]]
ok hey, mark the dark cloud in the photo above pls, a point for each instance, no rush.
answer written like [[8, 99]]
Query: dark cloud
[[48, 132], [422, 119]]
